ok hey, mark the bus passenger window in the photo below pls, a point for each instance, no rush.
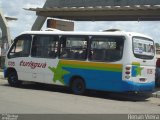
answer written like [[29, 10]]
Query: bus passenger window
[[44, 46], [106, 48], [73, 47], [143, 48], [21, 47]]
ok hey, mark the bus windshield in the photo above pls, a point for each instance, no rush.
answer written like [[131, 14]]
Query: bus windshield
[[143, 48]]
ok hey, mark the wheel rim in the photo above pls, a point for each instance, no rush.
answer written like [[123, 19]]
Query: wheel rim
[[13, 77], [78, 87]]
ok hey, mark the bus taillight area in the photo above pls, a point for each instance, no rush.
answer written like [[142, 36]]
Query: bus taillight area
[[137, 78], [127, 72]]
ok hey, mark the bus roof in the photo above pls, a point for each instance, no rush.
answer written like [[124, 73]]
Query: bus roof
[[114, 33]]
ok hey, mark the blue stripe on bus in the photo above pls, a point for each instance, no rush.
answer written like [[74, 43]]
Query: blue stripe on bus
[[106, 80]]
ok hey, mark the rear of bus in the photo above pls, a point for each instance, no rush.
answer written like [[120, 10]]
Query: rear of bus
[[139, 74]]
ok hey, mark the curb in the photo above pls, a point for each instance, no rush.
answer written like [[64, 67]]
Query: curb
[[156, 95]]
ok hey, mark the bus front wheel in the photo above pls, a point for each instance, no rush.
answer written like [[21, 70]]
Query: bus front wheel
[[13, 79], [78, 86]]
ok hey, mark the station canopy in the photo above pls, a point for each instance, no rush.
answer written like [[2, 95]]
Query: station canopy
[[11, 18], [102, 13]]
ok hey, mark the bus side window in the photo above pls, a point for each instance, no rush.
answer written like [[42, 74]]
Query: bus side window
[[73, 47], [44, 46], [21, 47], [106, 48]]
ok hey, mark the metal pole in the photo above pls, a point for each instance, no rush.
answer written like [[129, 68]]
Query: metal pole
[[6, 38]]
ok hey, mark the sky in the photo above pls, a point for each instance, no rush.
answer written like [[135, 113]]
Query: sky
[[26, 19]]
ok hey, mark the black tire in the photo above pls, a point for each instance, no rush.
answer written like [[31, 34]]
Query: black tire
[[78, 86], [13, 79]]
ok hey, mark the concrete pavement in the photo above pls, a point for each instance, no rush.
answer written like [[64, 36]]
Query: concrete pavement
[[156, 92], [48, 99]]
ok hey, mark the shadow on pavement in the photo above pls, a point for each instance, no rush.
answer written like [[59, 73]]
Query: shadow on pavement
[[134, 97]]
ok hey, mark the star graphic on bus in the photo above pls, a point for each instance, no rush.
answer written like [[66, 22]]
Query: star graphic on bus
[[138, 70], [58, 73]]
